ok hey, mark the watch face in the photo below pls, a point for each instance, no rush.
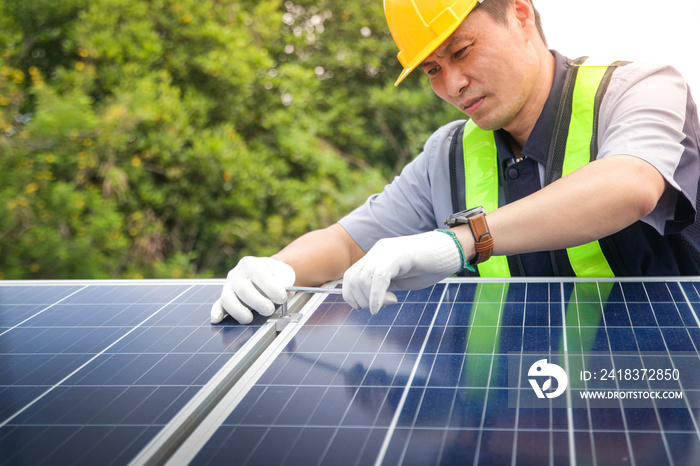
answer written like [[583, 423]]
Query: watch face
[[473, 211], [461, 217]]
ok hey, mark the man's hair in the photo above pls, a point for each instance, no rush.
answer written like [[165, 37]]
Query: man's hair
[[497, 9]]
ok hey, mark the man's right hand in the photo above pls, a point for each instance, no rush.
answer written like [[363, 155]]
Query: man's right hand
[[255, 284]]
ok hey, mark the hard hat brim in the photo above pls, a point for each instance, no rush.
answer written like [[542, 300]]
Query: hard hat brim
[[434, 44]]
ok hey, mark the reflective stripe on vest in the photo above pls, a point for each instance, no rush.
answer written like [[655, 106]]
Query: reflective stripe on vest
[[481, 172]]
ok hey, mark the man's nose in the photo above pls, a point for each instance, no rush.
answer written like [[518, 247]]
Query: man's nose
[[456, 82]]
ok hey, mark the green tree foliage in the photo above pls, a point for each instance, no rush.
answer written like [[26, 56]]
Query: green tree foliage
[[169, 138]]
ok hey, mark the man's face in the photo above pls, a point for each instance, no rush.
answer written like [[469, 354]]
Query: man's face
[[486, 70]]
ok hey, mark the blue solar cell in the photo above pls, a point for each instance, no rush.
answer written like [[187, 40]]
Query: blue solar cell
[[35, 445], [634, 292], [410, 314], [306, 449], [538, 314], [677, 339], [536, 293], [301, 404], [658, 292], [616, 315], [682, 447], [366, 407], [345, 447], [29, 294], [642, 315], [321, 369], [460, 447], [366, 340], [649, 339], [667, 315], [39, 369], [622, 339]]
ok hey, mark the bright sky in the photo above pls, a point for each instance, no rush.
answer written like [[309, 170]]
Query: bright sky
[[638, 30]]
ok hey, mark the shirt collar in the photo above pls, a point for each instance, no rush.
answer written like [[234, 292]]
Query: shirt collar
[[537, 146]]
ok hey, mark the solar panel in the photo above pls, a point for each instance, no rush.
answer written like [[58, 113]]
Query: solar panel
[[465, 372], [90, 373], [430, 381]]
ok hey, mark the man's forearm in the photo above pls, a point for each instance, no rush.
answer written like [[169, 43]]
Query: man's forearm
[[321, 255], [596, 201]]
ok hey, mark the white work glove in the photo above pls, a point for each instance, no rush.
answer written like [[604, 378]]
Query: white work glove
[[403, 263], [256, 283]]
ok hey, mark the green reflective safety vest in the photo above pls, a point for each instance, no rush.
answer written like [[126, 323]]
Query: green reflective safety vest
[[585, 86]]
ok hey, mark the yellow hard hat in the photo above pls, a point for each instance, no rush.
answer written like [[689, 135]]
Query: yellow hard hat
[[420, 26]]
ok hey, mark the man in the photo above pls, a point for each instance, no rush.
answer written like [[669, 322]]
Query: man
[[582, 169]]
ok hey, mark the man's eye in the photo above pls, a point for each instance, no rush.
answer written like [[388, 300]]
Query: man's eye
[[460, 52], [432, 71]]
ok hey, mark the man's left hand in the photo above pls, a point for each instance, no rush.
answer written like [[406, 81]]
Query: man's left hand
[[403, 263]]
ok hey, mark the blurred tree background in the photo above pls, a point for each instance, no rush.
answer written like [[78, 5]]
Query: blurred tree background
[[169, 138]]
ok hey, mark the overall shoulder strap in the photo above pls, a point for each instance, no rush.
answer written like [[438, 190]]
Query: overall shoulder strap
[[457, 170], [480, 174], [574, 144], [579, 113]]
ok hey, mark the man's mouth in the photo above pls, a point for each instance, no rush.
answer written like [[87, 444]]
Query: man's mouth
[[472, 106]]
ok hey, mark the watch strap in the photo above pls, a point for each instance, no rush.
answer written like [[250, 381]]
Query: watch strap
[[483, 241]]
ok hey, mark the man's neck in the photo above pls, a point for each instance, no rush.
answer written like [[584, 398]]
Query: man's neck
[[521, 127]]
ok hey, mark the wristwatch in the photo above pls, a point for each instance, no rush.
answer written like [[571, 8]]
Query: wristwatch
[[483, 241]]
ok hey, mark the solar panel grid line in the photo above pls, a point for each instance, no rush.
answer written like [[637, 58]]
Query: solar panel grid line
[[51, 416], [639, 317], [188, 419], [343, 416], [513, 458], [327, 342], [488, 379], [392, 426], [10, 418], [112, 282], [582, 328], [680, 382], [207, 426], [547, 433], [631, 458], [569, 405], [459, 376], [663, 433], [551, 411], [623, 414], [42, 311], [183, 424], [690, 305], [357, 393], [429, 377], [654, 403]]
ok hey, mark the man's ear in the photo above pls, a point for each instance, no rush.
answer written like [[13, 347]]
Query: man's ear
[[524, 16]]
